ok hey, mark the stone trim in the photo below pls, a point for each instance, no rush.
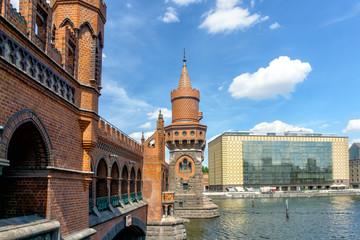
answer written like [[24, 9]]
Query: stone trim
[[80, 235], [28, 226]]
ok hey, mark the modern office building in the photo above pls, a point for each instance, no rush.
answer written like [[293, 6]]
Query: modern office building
[[354, 165], [288, 161]]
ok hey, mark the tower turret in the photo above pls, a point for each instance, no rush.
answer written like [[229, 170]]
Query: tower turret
[[185, 139], [78, 33]]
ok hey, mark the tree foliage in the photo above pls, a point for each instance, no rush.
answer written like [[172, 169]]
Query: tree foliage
[[205, 169]]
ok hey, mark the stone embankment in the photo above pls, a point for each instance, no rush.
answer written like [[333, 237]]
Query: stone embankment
[[322, 193]]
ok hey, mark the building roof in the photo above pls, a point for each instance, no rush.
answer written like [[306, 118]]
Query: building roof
[[184, 78], [277, 134]]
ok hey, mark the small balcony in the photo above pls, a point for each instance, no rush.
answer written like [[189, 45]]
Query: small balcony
[[168, 197]]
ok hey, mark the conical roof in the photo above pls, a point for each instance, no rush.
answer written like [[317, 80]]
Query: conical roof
[[184, 78]]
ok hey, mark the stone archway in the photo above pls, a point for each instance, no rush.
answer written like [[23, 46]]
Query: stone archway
[[23, 186], [136, 231]]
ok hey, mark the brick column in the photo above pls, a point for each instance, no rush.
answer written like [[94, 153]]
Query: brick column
[[119, 186], [108, 184]]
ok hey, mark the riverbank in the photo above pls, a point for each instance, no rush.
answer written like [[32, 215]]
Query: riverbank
[[335, 217], [279, 194]]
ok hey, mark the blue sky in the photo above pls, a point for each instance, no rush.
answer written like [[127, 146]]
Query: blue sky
[[265, 65]]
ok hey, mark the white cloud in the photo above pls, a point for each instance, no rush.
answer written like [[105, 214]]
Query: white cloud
[[277, 127], [120, 109], [128, 5], [353, 13], [227, 17], [103, 55], [353, 126], [355, 140], [184, 2], [275, 25], [146, 125], [220, 88], [137, 135], [252, 3], [15, 3], [164, 111], [279, 78], [170, 16]]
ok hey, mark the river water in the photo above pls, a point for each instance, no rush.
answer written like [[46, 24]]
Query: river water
[[310, 218]]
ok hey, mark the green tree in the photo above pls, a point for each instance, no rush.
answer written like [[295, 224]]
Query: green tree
[[205, 169]]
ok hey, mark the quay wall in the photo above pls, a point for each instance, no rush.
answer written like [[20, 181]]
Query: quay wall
[[281, 195]]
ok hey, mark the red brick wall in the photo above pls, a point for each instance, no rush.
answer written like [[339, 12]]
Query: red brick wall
[[26, 196], [13, 16], [69, 202]]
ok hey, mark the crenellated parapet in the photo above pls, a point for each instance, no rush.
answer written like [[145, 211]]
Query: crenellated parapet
[[109, 132], [12, 15]]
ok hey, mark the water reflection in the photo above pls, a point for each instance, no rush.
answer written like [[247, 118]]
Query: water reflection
[[310, 218]]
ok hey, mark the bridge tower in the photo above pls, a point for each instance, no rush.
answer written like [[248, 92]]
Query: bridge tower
[[78, 33], [185, 139]]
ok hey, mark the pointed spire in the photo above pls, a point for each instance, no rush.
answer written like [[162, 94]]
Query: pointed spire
[[142, 136], [184, 78]]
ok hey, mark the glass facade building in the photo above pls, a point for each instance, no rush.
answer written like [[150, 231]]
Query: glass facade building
[[285, 162], [291, 160]]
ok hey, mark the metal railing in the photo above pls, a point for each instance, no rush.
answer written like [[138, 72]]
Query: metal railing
[[115, 200], [102, 203], [125, 198], [91, 203], [133, 197], [139, 196]]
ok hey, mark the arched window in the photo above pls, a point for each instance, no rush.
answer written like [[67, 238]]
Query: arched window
[[124, 185], [185, 166], [114, 180], [138, 186], [101, 186], [139, 181], [114, 188], [132, 185], [20, 196]]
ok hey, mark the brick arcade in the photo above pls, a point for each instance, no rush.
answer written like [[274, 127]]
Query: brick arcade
[[66, 172]]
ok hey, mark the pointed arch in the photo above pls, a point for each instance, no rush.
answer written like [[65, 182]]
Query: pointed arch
[[17, 120], [87, 24], [103, 156], [101, 39], [139, 181], [67, 21], [114, 188]]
